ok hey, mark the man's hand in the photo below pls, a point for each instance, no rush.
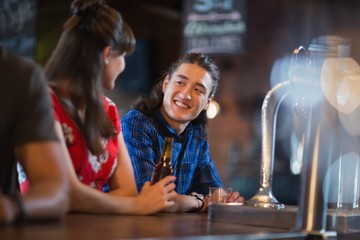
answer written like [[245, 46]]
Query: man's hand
[[235, 197]]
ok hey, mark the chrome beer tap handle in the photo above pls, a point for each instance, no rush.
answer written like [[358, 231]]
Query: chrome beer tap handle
[[264, 197]]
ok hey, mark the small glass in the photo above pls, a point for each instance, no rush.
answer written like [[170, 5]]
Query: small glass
[[218, 195]]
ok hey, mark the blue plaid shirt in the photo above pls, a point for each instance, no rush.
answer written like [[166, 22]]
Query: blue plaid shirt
[[145, 136]]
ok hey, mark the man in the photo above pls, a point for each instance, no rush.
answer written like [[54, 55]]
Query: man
[[27, 135], [176, 107]]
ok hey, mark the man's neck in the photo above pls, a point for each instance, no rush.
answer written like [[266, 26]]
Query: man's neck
[[178, 127]]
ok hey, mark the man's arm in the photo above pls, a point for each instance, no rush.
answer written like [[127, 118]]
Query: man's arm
[[48, 196], [186, 203]]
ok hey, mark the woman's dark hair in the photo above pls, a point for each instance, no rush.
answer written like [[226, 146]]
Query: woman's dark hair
[[77, 62], [150, 103]]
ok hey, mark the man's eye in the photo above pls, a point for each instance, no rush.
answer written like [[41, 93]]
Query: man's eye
[[200, 91]]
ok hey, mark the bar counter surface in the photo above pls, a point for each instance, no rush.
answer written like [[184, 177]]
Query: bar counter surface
[[157, 226]]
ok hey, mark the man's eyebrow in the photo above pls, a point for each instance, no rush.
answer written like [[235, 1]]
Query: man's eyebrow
[[182, 76], [186, 78]]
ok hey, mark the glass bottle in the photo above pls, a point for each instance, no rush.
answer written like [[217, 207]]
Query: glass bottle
[[164, 167]]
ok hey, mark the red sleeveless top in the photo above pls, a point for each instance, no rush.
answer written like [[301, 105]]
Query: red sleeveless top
[[92, 170]]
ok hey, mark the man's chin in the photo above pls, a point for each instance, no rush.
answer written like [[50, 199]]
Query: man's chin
[[182, 119]]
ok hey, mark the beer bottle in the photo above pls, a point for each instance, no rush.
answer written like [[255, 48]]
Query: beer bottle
[[164, 167]]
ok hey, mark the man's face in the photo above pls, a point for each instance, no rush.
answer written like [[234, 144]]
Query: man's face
[[186, 94]]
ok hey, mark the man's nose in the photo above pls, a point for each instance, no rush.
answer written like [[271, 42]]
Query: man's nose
[[186, 93]]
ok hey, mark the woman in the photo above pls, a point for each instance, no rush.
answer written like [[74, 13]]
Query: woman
[[89, 57]]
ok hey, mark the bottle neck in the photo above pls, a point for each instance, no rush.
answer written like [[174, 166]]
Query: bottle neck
[[167, 151]]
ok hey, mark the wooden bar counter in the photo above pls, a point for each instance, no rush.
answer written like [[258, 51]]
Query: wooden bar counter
[[157, 226]]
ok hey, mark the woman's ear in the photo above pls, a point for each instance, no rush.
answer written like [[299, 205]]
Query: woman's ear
[[107, 54], [165, 83]]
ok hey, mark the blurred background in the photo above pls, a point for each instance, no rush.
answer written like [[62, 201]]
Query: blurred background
[[250, 40]]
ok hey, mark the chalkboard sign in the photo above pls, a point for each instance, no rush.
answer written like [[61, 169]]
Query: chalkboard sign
[[214, 26], [18, 26]]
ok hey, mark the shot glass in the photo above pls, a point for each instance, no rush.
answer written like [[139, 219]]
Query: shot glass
[[218, 195]]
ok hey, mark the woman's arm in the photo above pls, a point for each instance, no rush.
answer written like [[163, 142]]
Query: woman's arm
[[150, 200], [83, 198], [122, 182]]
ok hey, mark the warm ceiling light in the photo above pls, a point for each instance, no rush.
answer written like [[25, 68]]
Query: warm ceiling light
[[213, 109]]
